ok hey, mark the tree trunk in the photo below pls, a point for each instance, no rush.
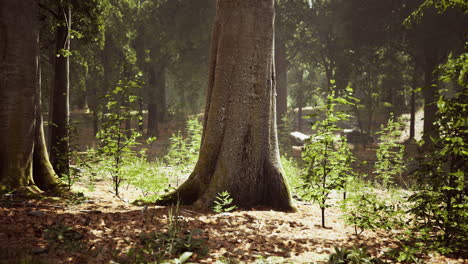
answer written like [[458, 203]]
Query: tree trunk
[[21, 136], [300, 98], [157, 100], [239, 149], [281, 69], [430, 98], [413, 104], [43, 172], [60, 97]]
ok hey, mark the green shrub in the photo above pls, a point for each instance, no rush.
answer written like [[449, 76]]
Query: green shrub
[[116, 142], [390, 153], [224, 203], [371, 209], [327, 156], [439, 205], [352, 256]]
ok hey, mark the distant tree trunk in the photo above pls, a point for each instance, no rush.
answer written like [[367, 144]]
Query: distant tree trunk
[[157, 100], [281, 64], [21, 136], [413, 103], [430, 94], [300, 98], [60, 97], [239, 149]]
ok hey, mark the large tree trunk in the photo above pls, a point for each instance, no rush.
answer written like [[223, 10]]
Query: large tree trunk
[[239, 149], [60, 97], [20, 130]]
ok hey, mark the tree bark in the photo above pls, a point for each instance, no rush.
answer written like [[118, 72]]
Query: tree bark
[[412, 132], [157, 100], [43, 173], [300, 98], [239, 149], [60, 97], [21, 135], [281, 64], [430, 94]]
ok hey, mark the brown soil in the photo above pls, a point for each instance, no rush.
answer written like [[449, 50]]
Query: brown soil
[[108, 227]]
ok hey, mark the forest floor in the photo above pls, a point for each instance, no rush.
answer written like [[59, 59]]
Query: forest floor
[[100, 228]]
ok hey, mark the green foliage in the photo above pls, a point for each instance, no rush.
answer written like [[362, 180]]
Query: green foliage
[[223, 203], [352, 256], [327, 156], [390, 153], [406, 254], [148, 176], [367, 209], [183, 151], [293, 172], [440, 205], [117, 142]]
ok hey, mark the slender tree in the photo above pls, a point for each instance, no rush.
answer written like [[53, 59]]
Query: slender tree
[[60, 96], [239, 149], [24, 164]]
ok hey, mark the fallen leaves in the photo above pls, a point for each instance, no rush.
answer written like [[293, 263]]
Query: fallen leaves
[[109, 229]]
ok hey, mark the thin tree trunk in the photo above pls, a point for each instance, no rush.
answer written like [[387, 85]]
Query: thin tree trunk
[[300, 99], [239, 150], [430, 107], [413, 104], [281, 64], [60, 97]]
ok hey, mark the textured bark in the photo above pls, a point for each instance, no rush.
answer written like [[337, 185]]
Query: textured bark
[[19, 95], [239, 150], [60, 97]]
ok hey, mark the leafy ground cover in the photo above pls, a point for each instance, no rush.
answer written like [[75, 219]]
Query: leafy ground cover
[[99, 228]]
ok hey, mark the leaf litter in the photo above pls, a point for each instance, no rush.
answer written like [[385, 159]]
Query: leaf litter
[[102, 229]]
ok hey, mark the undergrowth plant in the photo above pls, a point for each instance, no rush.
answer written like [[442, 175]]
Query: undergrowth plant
[[224, 203], [183, 150], [440, 203], [371, 209], [116, 141], [355, 255], [390, 152], [326, 155]]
